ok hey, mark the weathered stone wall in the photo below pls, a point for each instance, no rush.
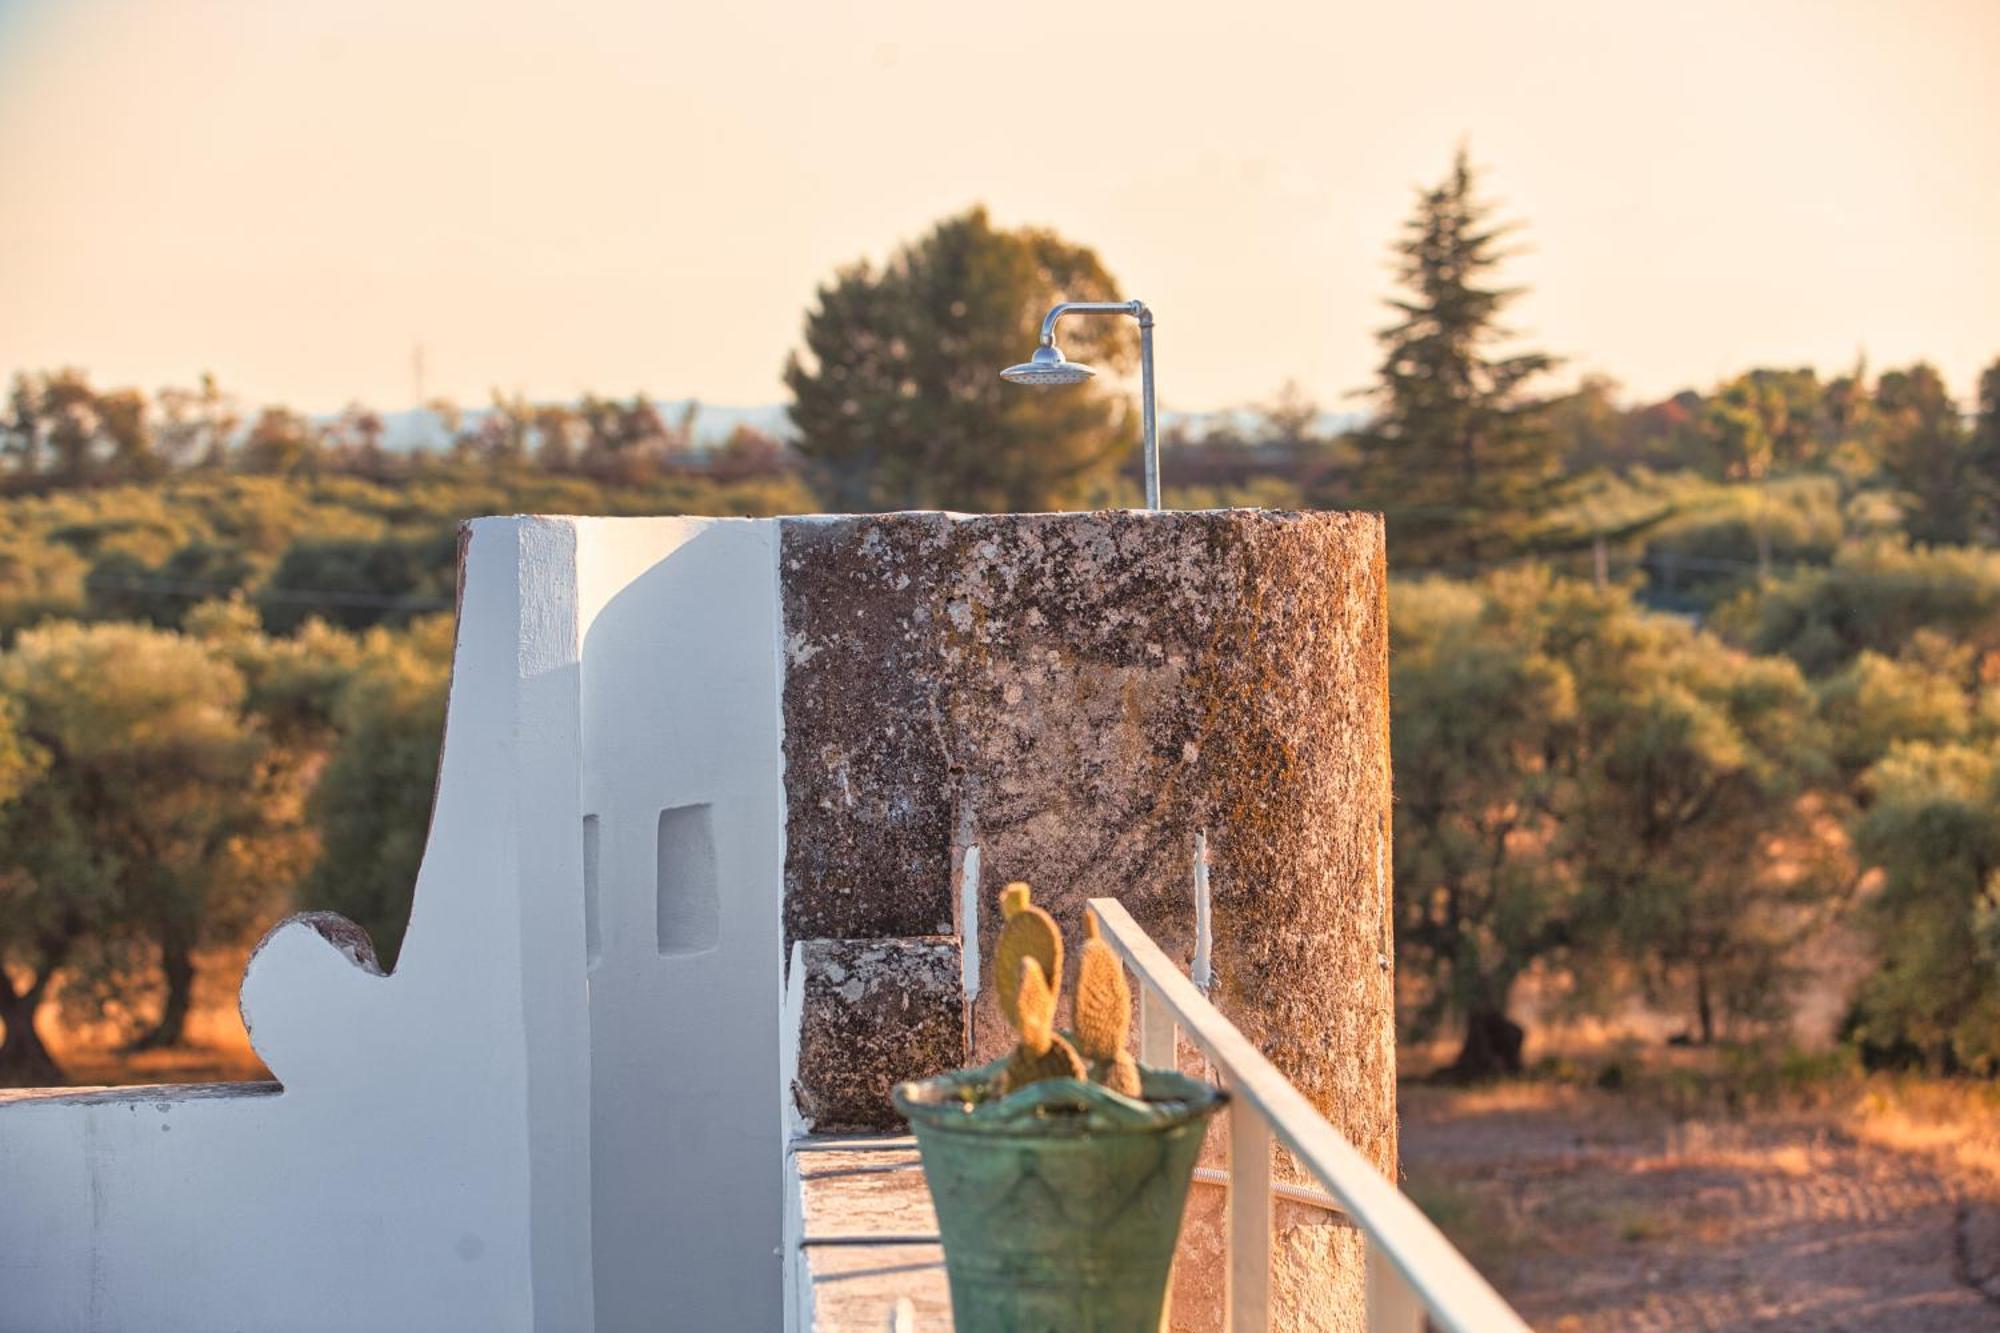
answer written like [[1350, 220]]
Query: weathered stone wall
[[872, 1010], [1080, 695]]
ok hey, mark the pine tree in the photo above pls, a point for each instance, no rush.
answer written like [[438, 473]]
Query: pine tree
[[1460, 457]]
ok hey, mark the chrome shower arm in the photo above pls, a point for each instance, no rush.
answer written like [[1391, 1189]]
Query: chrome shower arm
[[1136, 309]]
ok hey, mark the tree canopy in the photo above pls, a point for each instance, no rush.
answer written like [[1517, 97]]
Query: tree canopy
[[135, 839], [1934, 829], [1583, 783], [1741, 673], [1460, 456], [1926, 452], [898, 398], [390, 716]]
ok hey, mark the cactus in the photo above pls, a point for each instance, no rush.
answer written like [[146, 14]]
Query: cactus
[[1104, 1014], [1028, 932], [1042, 1054], [1027, 967]]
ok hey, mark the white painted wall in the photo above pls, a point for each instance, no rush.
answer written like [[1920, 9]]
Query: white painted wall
[[502, 1135], [426, 1165], [681, 714]]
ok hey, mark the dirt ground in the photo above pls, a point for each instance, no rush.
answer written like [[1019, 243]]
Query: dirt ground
[[217, 1049], [1876, 1206]]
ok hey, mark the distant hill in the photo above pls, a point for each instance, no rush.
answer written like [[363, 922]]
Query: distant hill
[[1247, 422], [419, 428]]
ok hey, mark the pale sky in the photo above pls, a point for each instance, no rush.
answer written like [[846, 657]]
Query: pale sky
[[559, 197]]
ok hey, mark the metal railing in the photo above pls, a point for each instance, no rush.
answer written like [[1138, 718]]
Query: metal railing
[[1413, 1271]]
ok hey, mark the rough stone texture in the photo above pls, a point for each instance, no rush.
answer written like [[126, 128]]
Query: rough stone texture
[[1080, 694], [875, 1012], [868, 773], [1306, 1244], [350, 939]]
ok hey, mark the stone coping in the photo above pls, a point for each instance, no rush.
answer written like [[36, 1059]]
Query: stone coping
[[138, 1094]]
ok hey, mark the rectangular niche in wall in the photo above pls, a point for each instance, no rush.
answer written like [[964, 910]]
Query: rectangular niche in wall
[[690, 900]]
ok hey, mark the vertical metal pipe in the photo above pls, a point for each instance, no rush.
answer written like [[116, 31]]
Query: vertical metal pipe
[[1146, 409], [968, 922], [1047, 367], [1203, 970]]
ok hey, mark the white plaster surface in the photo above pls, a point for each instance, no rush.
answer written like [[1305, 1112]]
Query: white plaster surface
[[426, 1165], [680, 710], [535, 1123]]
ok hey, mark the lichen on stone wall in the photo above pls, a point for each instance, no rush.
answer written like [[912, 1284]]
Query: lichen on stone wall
[[1081, 694], [875, 1013]]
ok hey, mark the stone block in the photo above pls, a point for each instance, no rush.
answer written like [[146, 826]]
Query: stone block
[[874, 1013]]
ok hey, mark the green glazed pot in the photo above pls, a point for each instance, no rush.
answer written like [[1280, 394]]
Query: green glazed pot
[[1059, 1205]]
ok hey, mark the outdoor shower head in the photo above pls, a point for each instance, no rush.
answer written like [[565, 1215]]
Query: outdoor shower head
[[1047, 367]]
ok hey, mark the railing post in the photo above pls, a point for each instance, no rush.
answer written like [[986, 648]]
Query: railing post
[[1159, 1038], [1249, 1218], [1392, 1306], [1157, 1034], [1415, 1277]]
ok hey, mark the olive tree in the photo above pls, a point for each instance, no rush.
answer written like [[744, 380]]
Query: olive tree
[[1588, 786], [134, 844]]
